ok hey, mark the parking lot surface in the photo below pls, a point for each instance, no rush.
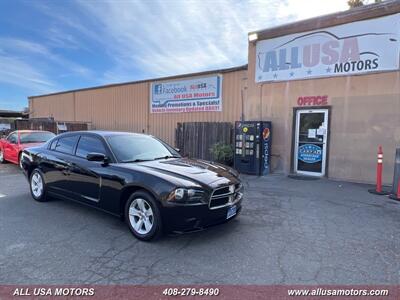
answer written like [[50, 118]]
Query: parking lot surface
[[289, 232]]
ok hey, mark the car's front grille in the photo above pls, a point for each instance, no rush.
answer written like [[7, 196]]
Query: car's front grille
[[223, 196], [217, 202], [221, 191]]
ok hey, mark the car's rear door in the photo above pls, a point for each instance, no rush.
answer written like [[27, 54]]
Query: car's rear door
[[85, 178], [59, 163]]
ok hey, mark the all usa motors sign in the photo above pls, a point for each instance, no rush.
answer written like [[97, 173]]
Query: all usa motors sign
[[199, 94], [353, 48]]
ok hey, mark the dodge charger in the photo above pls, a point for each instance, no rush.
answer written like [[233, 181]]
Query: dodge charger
[[136, 177]]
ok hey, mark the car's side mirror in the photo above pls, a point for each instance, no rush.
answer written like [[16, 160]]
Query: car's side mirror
[[177, 150], [100, 157]]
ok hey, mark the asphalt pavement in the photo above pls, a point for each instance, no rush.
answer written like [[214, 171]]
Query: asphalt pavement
[[289, 232]]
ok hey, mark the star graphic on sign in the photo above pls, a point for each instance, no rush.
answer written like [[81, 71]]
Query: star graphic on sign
[[291, 74], [275, 75], [309, 71], [328, 70]]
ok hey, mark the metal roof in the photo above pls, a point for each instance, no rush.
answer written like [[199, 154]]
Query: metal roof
[[233, 69], [12, 114]]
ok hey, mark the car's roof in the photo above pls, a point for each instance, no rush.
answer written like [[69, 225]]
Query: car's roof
[[105, 133], [30, 131]]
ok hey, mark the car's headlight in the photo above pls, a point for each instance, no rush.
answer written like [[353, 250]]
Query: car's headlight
[[190, 196], [234, 172]]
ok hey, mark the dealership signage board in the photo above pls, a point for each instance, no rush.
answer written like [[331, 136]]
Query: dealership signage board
[[353, 48], [193, 95]]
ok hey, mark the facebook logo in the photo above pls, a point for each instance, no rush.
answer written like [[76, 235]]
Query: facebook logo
[[158, 89]]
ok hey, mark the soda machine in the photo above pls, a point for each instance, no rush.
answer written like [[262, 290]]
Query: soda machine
[[253, 147]]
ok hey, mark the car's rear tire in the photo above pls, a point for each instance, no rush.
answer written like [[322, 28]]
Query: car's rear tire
[[38, 186], [143, 216]]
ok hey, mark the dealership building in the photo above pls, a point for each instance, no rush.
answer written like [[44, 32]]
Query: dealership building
[[330, 86]]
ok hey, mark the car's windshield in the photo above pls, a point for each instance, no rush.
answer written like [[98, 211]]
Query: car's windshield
[[35, 137], [134, 148]]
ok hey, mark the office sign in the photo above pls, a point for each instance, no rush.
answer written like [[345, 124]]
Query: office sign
[[193, 95], [312, 100], [353, 48]]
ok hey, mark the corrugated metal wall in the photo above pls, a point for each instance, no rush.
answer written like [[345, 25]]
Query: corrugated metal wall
[[127, 108], [115, 108], [60, 107]]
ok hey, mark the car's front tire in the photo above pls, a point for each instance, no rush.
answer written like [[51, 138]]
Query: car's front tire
[[2, 161], [38, 186], [20, 161], [143, 216]]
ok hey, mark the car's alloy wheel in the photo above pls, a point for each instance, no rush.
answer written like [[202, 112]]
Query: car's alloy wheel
[[1, 156], [37, 186], [143, 216]]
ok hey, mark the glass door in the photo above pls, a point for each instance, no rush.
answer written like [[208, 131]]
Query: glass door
[[311, 141]]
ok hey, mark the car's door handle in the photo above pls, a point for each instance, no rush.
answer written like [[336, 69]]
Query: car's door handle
[[66, 169]]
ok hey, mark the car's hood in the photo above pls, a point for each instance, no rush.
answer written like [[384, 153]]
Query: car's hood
[[200, 171]]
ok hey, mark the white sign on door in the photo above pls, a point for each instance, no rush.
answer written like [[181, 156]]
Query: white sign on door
[[353, 48]]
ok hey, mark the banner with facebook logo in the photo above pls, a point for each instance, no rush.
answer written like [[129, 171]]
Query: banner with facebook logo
[[353, 48], [193, 95]]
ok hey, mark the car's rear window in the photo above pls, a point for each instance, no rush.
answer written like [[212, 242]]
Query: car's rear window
[[35, 137], [66, 144]]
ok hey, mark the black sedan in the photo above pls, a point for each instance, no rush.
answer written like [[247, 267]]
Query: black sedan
[[136, 177]]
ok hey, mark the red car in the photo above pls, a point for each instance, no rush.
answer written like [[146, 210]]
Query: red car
[[12, 146]]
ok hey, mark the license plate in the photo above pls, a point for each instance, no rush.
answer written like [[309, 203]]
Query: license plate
[[231, 212]]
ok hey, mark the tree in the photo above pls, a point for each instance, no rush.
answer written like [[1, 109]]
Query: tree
[[357, 3]]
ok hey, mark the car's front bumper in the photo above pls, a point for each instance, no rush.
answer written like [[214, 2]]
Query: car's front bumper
[[191, 218], [25, 158]]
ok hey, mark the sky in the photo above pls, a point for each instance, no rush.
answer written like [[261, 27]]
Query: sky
[[50, 46]]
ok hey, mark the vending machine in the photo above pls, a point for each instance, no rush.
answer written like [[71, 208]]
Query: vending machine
[[253, 147]]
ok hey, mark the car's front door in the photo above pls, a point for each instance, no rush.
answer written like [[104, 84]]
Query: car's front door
[[11, 148], [85, 176]]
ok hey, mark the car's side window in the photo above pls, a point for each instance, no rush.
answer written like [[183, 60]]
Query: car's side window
[[88, 144], [66, 144], [12, 138]]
